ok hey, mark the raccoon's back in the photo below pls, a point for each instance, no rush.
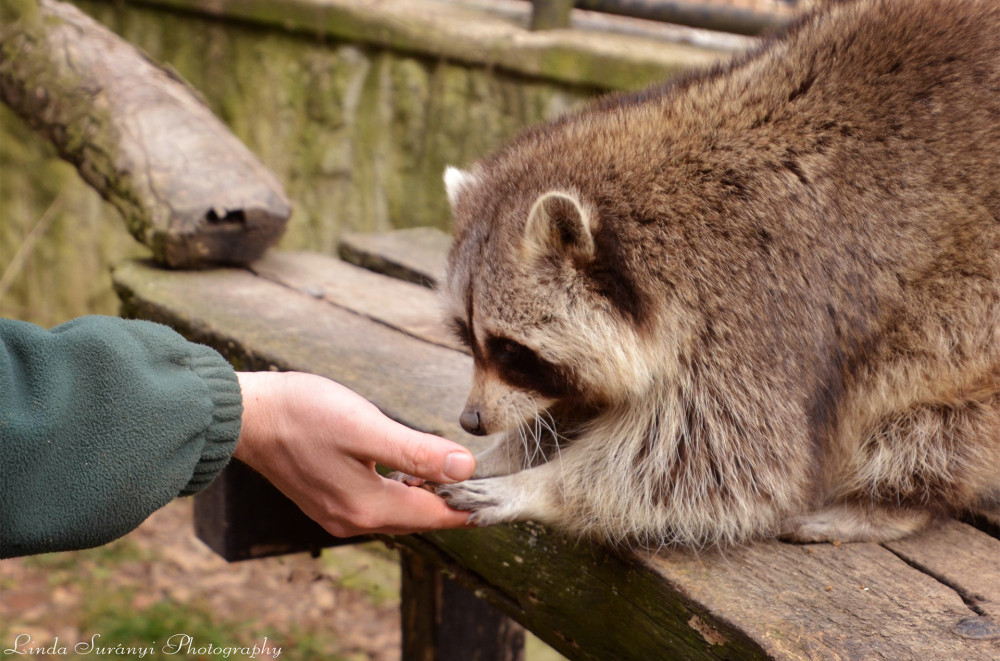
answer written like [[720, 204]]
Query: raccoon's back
[[831, 198], [874, 107]]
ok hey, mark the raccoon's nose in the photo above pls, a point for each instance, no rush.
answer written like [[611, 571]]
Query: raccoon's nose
[[470, 422]]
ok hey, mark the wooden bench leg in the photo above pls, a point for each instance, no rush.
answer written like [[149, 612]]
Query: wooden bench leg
[[443, 621]]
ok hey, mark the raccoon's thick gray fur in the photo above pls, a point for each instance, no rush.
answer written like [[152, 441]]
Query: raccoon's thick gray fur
[[761, 300]]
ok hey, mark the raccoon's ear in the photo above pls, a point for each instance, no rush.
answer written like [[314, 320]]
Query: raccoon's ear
[[558, 223], [456, 182]]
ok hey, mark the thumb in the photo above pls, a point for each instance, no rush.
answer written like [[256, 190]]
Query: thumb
[[418, 454]]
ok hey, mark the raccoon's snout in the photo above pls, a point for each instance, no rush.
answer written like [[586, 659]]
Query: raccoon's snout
[[472, 422]]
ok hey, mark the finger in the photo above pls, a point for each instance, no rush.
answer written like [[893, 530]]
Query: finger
[[415, 453]]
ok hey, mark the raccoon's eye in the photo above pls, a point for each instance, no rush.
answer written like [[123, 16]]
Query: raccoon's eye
[[513, 355]]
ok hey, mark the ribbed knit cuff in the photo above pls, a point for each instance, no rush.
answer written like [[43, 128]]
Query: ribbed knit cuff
[[224, 431]]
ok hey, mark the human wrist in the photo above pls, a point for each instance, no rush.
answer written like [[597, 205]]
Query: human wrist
[[263, 414]]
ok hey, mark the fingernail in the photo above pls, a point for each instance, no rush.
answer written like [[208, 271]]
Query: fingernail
[[459, 466]]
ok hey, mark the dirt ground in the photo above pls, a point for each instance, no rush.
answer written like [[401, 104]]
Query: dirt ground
[[345, 603]]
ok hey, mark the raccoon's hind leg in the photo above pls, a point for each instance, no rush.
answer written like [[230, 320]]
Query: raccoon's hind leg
[[929, 459], [852, 522]]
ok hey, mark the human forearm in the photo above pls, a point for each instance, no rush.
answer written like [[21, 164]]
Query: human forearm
[[102, 421]]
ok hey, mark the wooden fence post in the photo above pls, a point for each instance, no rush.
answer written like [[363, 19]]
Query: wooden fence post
[[444, 621]]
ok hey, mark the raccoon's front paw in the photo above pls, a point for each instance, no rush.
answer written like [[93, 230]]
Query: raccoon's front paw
[[479, 497]]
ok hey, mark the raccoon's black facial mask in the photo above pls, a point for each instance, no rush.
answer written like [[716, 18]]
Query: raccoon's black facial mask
[[516, 364], [522, 368]]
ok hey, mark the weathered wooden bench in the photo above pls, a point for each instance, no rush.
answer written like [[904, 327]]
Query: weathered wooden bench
[[934, 596]]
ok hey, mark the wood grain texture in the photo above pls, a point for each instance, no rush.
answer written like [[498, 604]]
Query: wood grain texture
[[261, 325], [407, 307], [416, 255], [965, 559], [821, 601]]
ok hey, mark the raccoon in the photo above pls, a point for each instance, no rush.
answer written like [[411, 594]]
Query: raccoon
[[759, 301]]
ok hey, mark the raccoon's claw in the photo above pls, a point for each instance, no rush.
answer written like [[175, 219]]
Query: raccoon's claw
[[474, 496]]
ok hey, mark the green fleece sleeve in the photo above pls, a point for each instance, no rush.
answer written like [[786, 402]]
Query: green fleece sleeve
[[103, 421]]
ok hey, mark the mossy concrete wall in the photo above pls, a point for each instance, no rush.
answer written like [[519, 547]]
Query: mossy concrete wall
[[358, 133]]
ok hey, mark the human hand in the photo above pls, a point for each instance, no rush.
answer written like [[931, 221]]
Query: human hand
[[318, 442]]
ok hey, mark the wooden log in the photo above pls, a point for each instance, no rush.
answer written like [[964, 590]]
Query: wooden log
[[187, 188], [464, 32]]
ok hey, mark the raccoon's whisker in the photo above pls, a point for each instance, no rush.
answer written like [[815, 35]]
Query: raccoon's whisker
[[537, 451], [539, 447], [545, 421], [515, 410], [540, 429], [522, 433], [529, 451]]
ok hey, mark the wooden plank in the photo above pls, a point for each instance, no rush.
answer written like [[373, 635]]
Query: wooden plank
[[763, 600], [822, 601], [405, 306], [418, 254], [261, 325], [954, 554], [706, 16], [584, 600]]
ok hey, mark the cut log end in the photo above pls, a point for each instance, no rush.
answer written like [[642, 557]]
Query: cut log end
[[220, 237]]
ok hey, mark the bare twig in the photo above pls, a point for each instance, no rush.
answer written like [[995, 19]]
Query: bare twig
[[24, 251]]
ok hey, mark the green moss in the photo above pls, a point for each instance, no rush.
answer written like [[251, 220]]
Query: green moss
[[18, 10]]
